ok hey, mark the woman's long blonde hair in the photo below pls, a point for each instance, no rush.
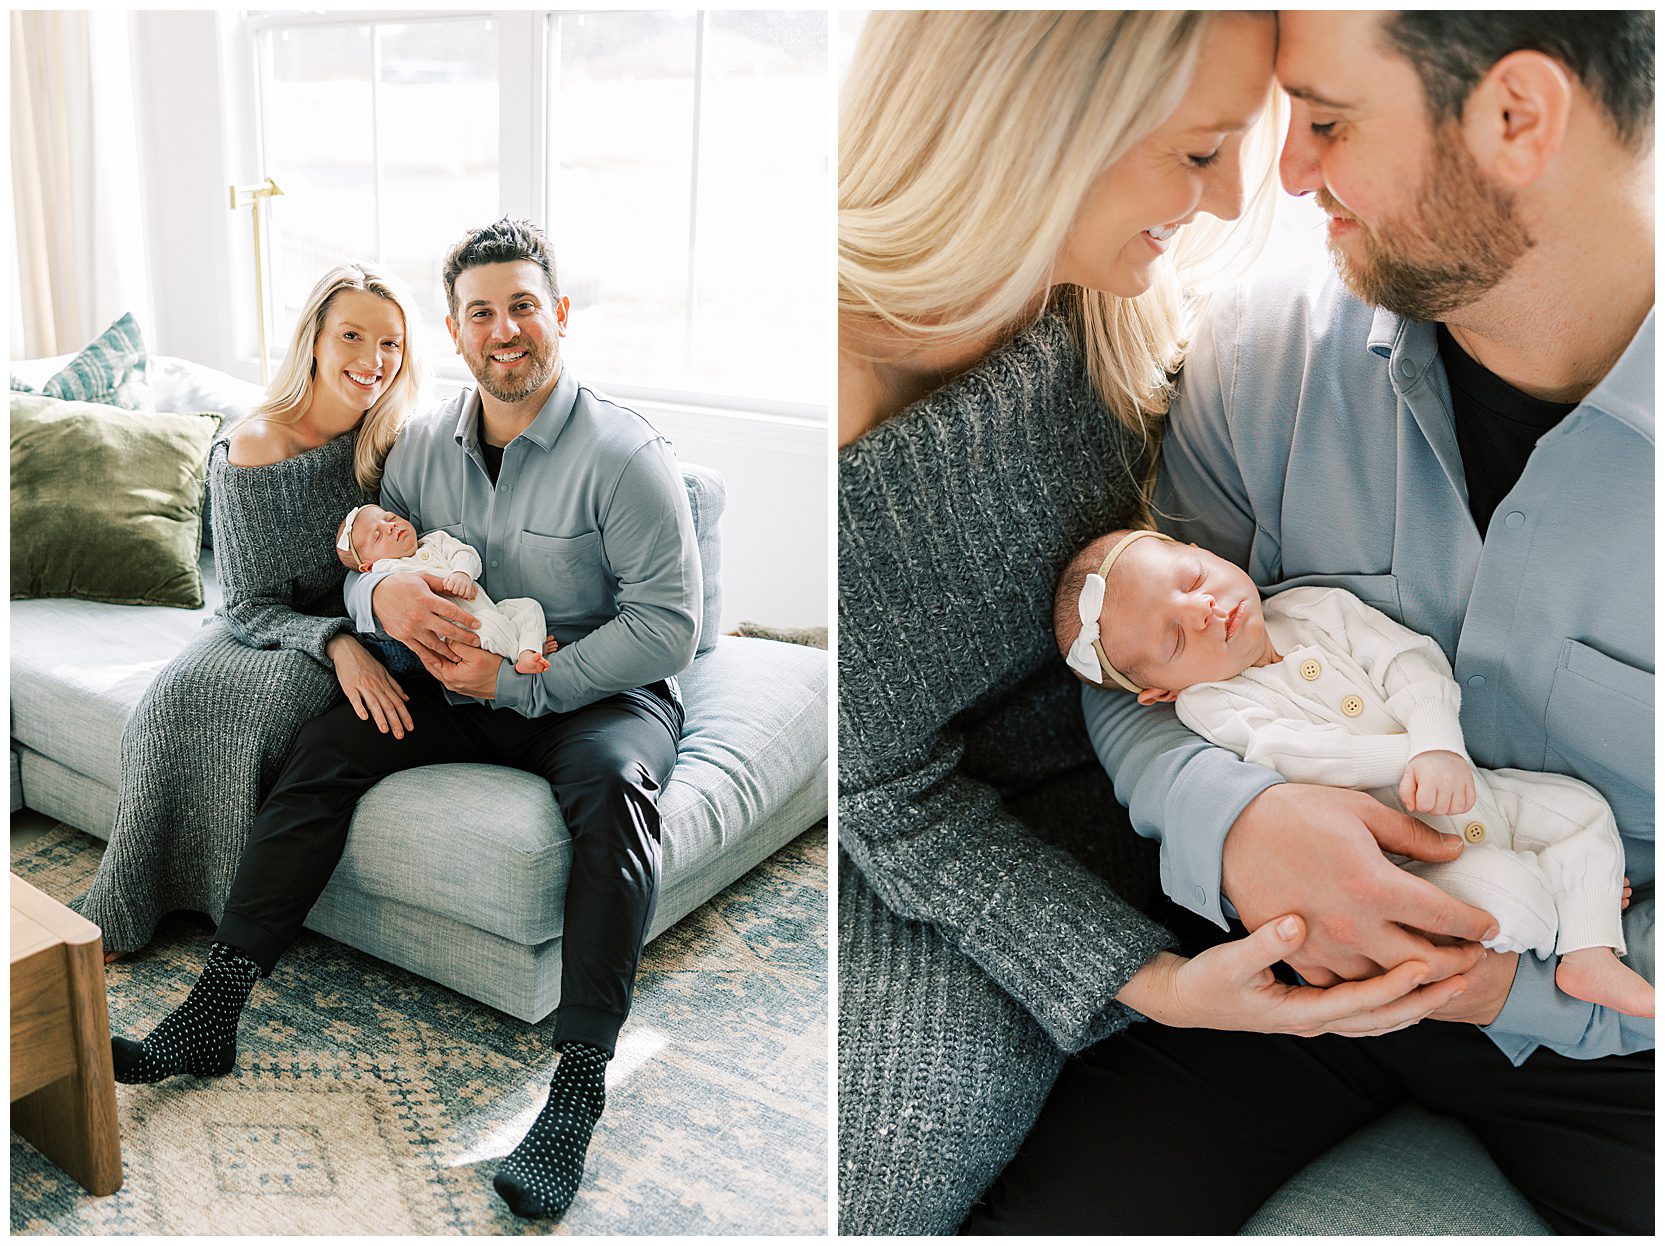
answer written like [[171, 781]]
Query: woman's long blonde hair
[[289, 396], [968, 142]]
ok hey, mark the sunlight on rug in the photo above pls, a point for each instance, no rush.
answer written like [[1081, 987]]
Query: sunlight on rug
[[367, 1100]]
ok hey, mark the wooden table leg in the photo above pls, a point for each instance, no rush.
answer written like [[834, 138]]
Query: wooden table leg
[[72, 1121]]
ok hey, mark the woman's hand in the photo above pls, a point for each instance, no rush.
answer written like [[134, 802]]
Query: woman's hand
[[371, 691], [1231, 987]]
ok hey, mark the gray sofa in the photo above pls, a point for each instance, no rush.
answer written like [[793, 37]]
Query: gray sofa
[[454, 872]]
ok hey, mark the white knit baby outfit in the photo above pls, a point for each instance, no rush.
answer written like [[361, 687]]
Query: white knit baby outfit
[[1355, 697], [508, 627]]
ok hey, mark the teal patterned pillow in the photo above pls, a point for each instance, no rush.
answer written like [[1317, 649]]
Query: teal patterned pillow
[[113, 371], [21, 387]]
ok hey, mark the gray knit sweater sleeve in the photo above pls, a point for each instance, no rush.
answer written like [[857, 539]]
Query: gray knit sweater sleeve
[[955, 519], [274, 546]]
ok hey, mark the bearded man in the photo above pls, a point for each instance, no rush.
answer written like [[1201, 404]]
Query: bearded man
[[1458, 426], [575, 501]]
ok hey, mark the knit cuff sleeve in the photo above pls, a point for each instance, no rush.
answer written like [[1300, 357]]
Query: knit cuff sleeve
[[938, 848], [1431, 724]]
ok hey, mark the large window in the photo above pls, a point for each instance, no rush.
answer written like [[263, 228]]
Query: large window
[[678, 161]]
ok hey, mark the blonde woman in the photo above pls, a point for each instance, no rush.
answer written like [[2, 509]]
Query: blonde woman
[[211, 731], [1023, 198]]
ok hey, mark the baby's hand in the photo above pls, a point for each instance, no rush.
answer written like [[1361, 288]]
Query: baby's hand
[[1437, 782], [461, 584], [550, 644], [531, 662]]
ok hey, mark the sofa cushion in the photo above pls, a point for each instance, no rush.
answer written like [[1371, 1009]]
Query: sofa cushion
[[756, 732], [1408, 1174], [707, 496], [112, 369], [106, 506], [180, 385], [80, 667]]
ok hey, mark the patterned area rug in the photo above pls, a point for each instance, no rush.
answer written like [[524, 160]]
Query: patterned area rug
[[369, 1100]]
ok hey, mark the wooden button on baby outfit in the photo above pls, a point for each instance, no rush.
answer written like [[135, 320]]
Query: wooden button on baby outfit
[[1474, 832], [1352, 706], [1310, 670]]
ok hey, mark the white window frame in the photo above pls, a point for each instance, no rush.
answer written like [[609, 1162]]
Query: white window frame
[[525, 45]]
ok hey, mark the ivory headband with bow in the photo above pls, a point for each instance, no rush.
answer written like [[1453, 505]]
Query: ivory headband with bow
[[344, 542], [1086, 656]]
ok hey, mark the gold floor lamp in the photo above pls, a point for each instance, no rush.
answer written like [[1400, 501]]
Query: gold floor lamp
[[253, 196]]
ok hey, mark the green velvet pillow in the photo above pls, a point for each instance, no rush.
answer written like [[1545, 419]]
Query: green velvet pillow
[[106, 506], [114, 369]]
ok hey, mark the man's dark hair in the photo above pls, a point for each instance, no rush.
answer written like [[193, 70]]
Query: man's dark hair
[[501, 242], [1610, 52]]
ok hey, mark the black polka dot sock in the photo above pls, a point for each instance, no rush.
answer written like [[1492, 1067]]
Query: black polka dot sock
[[541, 1175], [200, 1036]]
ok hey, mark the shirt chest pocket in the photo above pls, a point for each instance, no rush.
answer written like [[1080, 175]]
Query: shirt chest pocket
[[568, 573], [1599, 726]]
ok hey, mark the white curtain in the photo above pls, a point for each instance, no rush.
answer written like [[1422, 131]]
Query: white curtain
[[78, 239]]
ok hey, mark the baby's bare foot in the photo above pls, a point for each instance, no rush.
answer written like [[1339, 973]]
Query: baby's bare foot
[[531, 662], [1598, 975]]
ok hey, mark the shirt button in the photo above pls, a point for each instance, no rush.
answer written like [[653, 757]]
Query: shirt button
[[1202, 896], [1513, 519], [1407, 369], [494, 562], [1352, 706], [1476, 681], [1474, 832], [1310, 670]]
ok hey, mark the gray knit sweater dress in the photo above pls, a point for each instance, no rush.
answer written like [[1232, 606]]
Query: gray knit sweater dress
[[212, 730], [979, 941]]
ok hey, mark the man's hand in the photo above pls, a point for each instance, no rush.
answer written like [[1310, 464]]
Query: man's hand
[[461, 584], [471, 671], [1438, 781], [410, 609], [1317, 852], [1489, 984]]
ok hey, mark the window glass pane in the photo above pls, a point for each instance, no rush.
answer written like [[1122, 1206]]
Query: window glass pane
[[762, 309], [439, 153], [620, 163], [318, 127], [420, 99], [688, 199]]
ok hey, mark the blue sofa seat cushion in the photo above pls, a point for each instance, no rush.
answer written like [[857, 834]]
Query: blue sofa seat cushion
[[756, 732]]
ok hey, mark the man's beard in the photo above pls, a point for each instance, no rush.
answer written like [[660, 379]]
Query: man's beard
[[1461, 239], [540, 366]]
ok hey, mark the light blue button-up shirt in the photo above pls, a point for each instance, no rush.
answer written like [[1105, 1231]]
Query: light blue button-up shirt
[[589, 516], [1312, 443]]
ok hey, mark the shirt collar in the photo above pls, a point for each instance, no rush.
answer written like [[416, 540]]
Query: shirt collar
[[545, 427], [1625, 393]]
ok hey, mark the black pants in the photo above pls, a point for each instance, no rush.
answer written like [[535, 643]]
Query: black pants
[[1166, 1131], [606, 764]]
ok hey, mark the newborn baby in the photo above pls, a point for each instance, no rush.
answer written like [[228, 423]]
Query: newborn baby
[[373, 539], [1324, 689]]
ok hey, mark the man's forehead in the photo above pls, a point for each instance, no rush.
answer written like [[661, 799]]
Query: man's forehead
[[1321, 54], [501, 279]]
